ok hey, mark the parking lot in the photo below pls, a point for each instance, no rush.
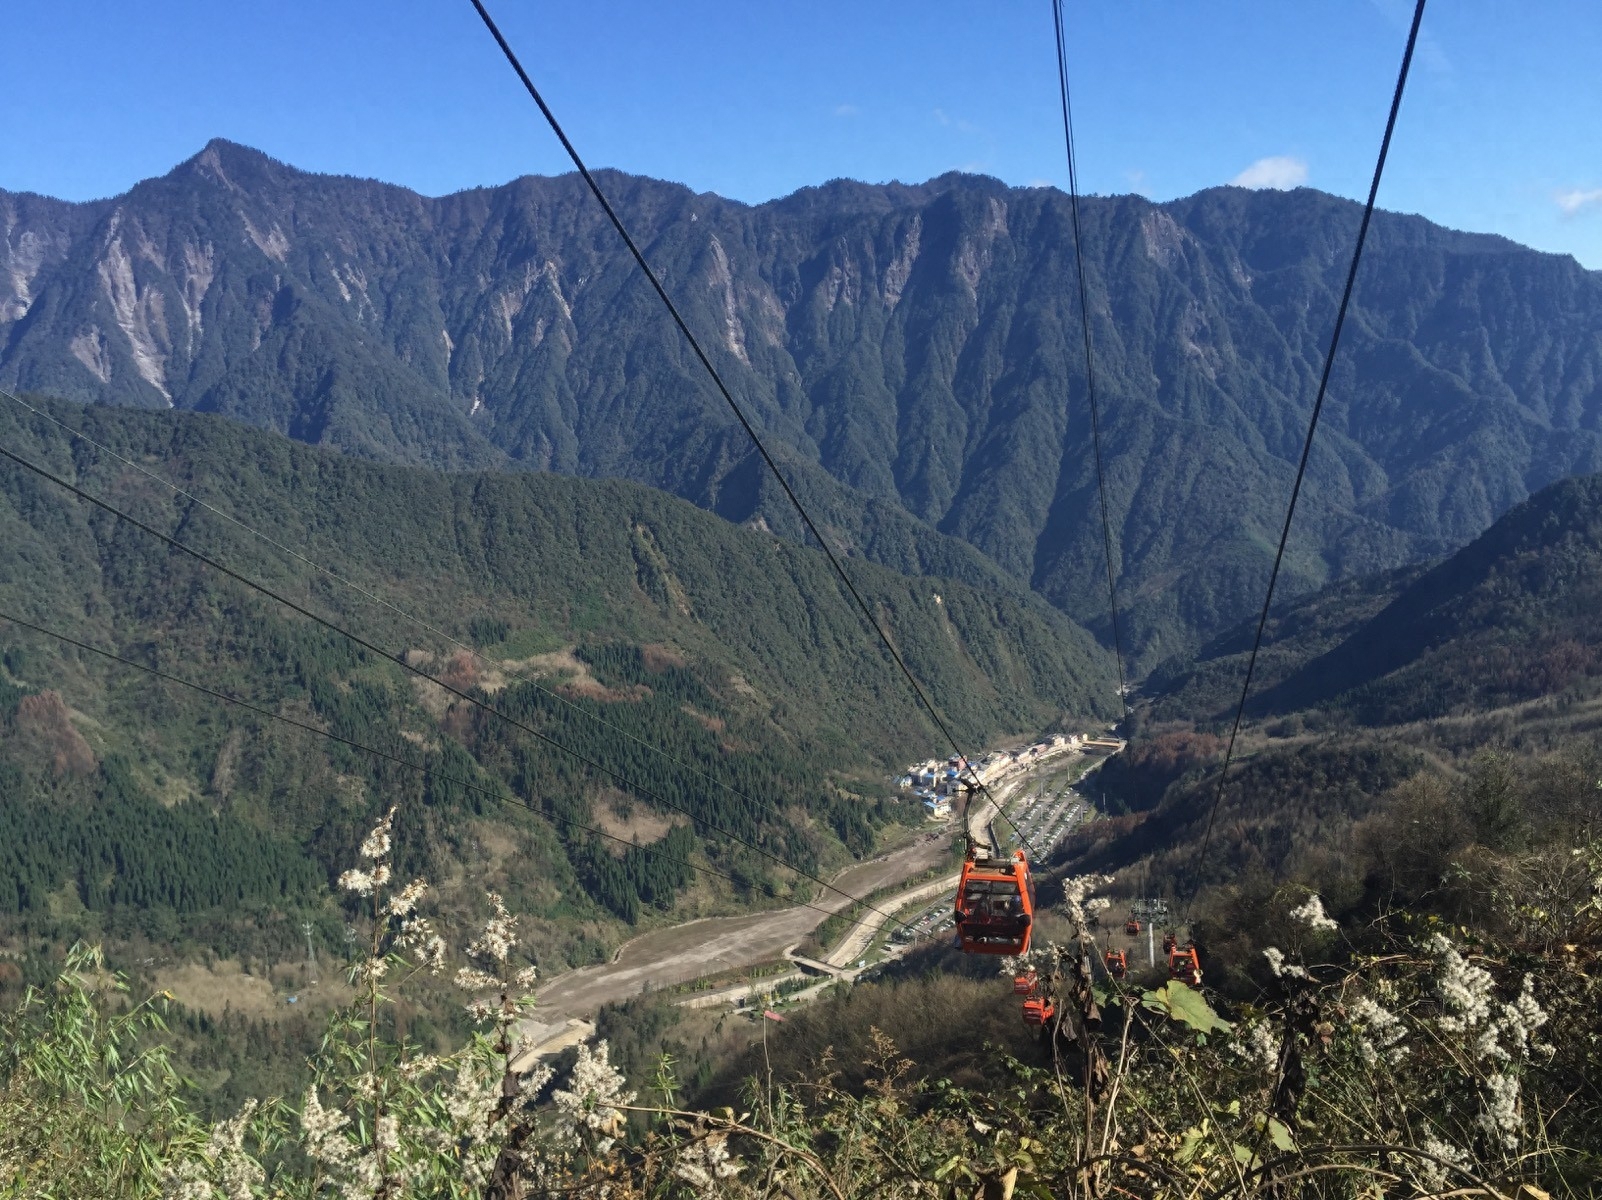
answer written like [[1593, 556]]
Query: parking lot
[[1041, 819]]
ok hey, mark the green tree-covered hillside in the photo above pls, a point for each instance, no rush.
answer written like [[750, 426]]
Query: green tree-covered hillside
[[1511, 617], [734, 650]]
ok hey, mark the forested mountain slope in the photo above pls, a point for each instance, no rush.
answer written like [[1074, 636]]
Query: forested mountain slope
[[1515, 615], [736, 651], [1206, 686], [913, 344], [1512, 616]]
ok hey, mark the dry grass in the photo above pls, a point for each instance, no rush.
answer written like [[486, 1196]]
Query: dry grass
[[225, 985], [641, 824]]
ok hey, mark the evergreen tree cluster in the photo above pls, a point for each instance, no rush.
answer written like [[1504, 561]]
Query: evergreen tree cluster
[[127, 850]]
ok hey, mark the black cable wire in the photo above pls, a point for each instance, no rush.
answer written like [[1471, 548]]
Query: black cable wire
[[1312, 424], [1090, 362], [357, 639], [770, 806], [728, 396], [420, 768]]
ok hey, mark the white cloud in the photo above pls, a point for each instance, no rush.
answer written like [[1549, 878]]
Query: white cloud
[[1572, 200], [845, 110], [1276, 171]]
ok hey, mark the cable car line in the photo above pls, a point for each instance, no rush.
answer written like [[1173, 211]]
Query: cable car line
[[728, 396], [1090, 362], [357, 639], [420, 768], [1312, 424], [771, 806]]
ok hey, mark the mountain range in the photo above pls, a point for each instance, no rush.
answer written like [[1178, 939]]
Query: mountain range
[[909, 350]]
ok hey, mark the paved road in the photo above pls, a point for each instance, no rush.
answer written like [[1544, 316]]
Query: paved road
[[861, 935], [684, 952]]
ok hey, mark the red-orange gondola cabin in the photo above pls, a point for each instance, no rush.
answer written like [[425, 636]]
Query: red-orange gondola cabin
[[1117, 964], [995, 907], [1184, 965], [1037, 1010], [1023, 985]]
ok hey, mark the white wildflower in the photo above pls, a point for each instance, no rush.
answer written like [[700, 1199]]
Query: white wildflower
[[1281, 968], [236, 1170], [187, 1181], [1259, 1045], [1523, 1017], [471, 979], [1312, 914], [702, 1163], [1076, 891], [321, 1131], [365, 1085], [1501, 1116], [532, 1082], [526, 977], [499, 936], [357, 881], [1465, 989], [404, 901], [1434, 1176], [471, 1100], [418, 936], [1379, 1032], [386, 1134], [589, 1102], [366, 1176], [1098, 904], [415, 1068], [1041, 960], [1488, 1045], [376, 845]]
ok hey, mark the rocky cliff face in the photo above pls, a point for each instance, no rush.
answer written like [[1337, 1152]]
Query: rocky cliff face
[[913, 346]]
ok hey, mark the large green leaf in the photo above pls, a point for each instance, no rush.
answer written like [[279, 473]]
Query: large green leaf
[[1187, 1005]]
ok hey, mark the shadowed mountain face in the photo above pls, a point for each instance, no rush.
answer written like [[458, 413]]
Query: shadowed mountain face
[[912, 346], [1513, 616]]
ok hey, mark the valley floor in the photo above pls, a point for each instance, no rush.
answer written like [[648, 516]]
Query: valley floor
[[718, 945]]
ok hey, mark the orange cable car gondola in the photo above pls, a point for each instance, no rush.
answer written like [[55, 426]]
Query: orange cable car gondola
[[995, 905], [1117, 964], [1037, 1010], [1184, 965], [1024, 985], [1132, 927]]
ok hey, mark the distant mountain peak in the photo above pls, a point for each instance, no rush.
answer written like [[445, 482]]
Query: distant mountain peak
[[230, 164]]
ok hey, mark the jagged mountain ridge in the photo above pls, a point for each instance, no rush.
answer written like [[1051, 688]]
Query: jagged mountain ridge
[[909, 344]]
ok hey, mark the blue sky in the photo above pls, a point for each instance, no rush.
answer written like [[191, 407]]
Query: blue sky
[[1501, 130]]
